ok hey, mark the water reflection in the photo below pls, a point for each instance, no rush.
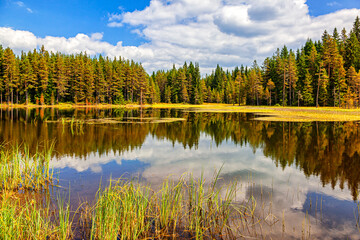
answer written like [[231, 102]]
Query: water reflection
[[296, 166], [327, 150]]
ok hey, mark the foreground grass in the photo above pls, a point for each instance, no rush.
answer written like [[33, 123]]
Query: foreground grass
[[31, 217], [181, 209], [187, 208], [25, 206]]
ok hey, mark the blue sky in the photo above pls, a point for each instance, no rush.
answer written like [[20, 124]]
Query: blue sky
[[320, 7], [66, 18], [159, 33]]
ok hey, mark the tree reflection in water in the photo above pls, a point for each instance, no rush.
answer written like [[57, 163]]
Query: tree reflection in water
[[329, 150]]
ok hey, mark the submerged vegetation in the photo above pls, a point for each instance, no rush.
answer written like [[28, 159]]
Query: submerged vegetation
[[321, 73]]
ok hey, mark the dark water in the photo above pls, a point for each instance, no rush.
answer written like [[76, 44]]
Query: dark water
[[307, 174]]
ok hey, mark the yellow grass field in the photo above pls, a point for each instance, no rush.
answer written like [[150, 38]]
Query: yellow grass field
[[265, 113]]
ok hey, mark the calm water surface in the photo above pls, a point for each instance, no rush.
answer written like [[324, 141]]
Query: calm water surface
[[306, 175]]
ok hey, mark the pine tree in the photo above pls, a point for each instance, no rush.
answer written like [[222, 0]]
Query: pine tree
[[352, 49], [239, 82], [9, 73], [17, 85], [282, 68], [117, 81], [181, 80], [168, 94], [2, 86], [356, 28], [43, 76], [270, 86], [60, 77], [108, 74], [292, 76], [143, 84], [307, 90], [78, 79], [88, 80], [322, 83], [174, 85], [27, 77], [353, 79], [339, 81], [99, 81]]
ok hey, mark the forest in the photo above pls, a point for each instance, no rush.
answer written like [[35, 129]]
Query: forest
[[321, 73]]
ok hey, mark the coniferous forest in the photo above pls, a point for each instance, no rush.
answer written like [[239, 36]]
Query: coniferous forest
[[321, 73]]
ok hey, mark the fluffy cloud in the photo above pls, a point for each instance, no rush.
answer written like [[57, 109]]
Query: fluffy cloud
[[27, 41], [17, 40], [225, 32], [228, 32]]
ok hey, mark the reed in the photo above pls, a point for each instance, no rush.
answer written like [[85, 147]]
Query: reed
[[180, 209], [63, 221], [26, 210], [121, 211], [21, 171], [30, 217]]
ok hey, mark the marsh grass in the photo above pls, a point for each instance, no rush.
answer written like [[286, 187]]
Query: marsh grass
[[20, 171], [31, 216], [187, 208], [268, 113], [26, 210], [77, 126]]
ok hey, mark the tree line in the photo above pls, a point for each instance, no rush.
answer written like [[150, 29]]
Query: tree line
[[321, 73], [48, 78]]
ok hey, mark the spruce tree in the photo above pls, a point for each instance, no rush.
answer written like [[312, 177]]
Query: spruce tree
[[9, 74], [43, 77], [60, 77], [307, 90]]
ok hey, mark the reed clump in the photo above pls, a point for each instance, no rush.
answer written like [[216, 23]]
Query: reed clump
[[21, 171], [183, 209], [26, 209], [33, 217]]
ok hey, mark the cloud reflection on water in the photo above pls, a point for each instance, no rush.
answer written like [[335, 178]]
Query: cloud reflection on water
[[289, 190]]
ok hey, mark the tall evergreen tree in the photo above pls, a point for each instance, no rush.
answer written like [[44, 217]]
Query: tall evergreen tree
[[307, 90], [9, 74]]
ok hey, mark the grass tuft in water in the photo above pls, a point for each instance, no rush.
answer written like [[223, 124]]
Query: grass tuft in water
[[189, 209], [21, 171]]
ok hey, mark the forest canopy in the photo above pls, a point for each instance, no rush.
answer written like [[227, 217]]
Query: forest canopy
[[321, 73]]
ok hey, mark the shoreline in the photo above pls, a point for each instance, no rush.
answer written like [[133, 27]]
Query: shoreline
[[264, 113]]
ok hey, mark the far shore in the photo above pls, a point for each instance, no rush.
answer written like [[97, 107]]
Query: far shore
[[265, 113]]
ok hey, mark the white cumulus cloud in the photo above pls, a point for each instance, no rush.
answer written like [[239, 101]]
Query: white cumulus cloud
[[225, 32]]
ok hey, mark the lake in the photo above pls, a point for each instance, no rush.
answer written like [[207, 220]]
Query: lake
[[304, 176]]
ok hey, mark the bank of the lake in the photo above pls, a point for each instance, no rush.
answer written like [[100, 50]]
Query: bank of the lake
[[265, 113]]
